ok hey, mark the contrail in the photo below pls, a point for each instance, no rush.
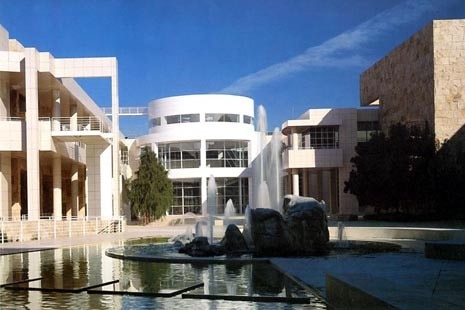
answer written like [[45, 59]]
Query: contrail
[[335, 51]]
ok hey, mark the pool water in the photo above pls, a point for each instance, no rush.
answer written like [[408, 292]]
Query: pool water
[[79, 267]]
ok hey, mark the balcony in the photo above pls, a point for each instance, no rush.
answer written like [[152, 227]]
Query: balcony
[[87, 129], [15, 130], [312, 158]]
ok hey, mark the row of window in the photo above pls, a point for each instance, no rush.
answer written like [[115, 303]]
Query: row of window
[[219, 153], [188, 198], [321, 137], [195, 118]]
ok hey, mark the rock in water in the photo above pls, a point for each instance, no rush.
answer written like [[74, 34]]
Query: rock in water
[[269, 233], [307, 225], [233, 241]]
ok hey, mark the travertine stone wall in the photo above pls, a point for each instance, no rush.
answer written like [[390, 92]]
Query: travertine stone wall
[[403, 81], [449, 72], [422, 79]]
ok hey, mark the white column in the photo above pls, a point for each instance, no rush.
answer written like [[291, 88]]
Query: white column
[[295, 140], [295, 182], [57, 186], [74, 190], [99, 177], [56, 109], [115, 135], [32, 133]]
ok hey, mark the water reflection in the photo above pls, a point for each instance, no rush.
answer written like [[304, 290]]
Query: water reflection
[[77, 267]]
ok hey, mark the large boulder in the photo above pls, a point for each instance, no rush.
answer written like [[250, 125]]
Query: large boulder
[[200, 247], [307, 224], [233, 241], [268, 232]]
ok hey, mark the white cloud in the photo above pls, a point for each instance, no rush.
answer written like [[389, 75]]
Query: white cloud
[[339, 51]]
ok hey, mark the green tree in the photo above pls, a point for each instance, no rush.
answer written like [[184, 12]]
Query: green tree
[[393, 173], [151, 192]]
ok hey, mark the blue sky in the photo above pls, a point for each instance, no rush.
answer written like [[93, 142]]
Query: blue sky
[[287, 55]]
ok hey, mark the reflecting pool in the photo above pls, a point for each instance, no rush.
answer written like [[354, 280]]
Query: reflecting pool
[[74, 278]]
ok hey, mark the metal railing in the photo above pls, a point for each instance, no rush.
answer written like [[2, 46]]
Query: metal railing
[[48, 227], [127, 111], [80, 123]]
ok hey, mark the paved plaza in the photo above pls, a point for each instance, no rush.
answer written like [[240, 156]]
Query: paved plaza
[[406, 280]]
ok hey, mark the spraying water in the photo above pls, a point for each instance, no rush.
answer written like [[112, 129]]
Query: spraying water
[[267, 180], [211, 205], [229, 213]]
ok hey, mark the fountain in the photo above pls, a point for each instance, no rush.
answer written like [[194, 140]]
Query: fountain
[[229, 213], [274, 226], [211, 206]]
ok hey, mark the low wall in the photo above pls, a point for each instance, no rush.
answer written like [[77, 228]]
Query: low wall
[[24, 230], [366, 233]]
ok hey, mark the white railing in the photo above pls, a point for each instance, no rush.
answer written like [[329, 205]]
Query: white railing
[[9, 119], [80, 123], [48, 227], [127, 111]]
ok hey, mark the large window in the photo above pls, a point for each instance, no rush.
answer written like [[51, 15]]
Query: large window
[[230, 154], [248, 119], [236, 189], [182, 118], [320, 137], [180, 155], [220, 117], [187, 197], [155, 122], [365, 130]]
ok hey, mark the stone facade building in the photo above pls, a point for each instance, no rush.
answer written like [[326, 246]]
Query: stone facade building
[[423, 79]]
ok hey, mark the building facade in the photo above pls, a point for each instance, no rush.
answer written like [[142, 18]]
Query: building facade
[[319, 146], [422, 80], [197, 136], [58, 151]]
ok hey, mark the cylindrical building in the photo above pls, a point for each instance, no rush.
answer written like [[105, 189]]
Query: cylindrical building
[[197, 136]]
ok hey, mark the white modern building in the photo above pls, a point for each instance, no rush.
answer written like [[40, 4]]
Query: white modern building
[[320, 144], [197, 136], [59, 153]]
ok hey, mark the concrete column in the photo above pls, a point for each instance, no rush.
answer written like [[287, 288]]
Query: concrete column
[[295, 140], [32, 133], [115, 135], [295, 182], [99, 195], [56, 109], [203, 153], [5, 185], [74, 190], [57, 186]]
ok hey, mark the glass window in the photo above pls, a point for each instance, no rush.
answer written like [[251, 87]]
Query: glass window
[[180, 155], [365, 130], [236, 189], [247, 119], [320, 137], [219, 117], [173, 119], [187, 197], [229, 153], [190, 118], [155, 122]]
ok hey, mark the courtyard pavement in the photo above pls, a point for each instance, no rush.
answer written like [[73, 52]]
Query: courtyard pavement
[[404, 280]]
